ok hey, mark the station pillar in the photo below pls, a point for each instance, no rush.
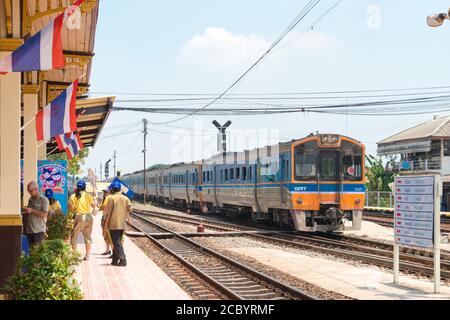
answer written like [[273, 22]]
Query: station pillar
[[30, 145], [10, 141]]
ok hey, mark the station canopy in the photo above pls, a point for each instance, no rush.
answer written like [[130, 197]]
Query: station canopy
[[416, 139], [78, 42]]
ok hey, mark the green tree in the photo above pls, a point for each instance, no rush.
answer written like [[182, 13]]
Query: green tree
[[74, 165], [380, 174]]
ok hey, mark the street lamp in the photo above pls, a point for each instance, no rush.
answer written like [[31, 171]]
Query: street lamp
[[438, 19]]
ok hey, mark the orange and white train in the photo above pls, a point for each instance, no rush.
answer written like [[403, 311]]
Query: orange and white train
[[313, 184]]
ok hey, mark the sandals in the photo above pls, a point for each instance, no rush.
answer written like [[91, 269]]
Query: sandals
[[107, 253], [86, 258]]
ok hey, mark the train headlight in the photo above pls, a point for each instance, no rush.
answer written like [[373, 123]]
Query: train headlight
[[299, 201], [358, 201]]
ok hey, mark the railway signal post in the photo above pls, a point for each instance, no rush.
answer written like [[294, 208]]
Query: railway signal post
[[417, 218]]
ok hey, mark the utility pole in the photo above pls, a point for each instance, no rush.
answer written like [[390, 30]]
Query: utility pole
[[222, 137], [115, 157], [101, 172], [145, 159]]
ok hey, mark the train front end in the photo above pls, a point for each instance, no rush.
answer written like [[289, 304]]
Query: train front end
[[328, 183]]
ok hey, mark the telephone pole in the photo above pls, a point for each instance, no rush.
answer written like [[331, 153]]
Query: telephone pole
[[115, 157], [145, 159]]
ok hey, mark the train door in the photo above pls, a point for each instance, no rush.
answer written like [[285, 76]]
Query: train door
[[170, 187], [217, 176], [188, 195], [196, 183], [284, 177], [329, 186]]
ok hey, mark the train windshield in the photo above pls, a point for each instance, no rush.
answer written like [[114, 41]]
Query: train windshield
[[352, 158], [329, 166], [306, 161]]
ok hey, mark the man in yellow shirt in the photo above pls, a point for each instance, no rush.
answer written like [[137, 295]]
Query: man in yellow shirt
[[82, 204], [117, 211]]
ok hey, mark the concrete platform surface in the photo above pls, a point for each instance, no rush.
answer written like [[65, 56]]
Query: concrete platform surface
[[142, 279], [362, 283]]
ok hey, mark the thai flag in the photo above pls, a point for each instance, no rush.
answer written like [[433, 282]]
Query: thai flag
[[43, 51], [60, 116], [71, 143]]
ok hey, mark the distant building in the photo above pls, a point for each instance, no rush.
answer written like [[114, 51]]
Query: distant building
[[423, 149]]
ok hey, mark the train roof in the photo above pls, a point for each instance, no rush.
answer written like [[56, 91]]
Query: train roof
[[232, 157]]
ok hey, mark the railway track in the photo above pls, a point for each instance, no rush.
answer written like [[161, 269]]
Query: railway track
[[413, 260], [233, 279], [387, 220]]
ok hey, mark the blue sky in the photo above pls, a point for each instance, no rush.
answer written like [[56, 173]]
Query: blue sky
[[202, 46]]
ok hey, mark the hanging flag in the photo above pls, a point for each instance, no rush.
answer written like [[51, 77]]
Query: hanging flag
[[71, 143], [63, 141], [125, 189], [43, 51], [60, 116], [74, 147]]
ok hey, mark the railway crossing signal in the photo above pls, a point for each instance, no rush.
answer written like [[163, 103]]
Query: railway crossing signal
[[107, 169], [222, 136]]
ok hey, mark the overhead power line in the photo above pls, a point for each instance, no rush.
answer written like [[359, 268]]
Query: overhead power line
[[311, 5]]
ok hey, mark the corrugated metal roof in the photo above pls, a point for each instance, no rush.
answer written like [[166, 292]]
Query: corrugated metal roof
[[438, 128]]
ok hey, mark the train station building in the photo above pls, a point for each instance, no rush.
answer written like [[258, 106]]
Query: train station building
[[423, 149], [22, 95]]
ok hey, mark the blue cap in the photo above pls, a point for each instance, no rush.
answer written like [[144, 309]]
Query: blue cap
[[49, 193], [116, 186], [81, 185]]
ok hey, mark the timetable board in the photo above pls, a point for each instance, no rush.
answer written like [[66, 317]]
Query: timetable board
[[415, 210]]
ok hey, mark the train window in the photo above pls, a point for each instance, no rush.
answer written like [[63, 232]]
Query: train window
[[204, 176], [305, 167], [328, 167], [352, 167], [244, 174], [208, 176], [250, 175], [231, 174], [238, 173], [305, 161], [226, 174], [221, 175]]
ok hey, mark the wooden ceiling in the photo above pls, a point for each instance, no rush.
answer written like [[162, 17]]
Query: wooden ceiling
[[78, 38]]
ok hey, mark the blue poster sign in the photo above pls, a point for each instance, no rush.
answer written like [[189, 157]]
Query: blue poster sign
[[53, 175]]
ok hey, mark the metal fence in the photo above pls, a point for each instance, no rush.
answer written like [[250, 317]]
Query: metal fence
[[379, 199]]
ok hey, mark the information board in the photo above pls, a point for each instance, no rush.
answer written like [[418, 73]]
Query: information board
[[53, 175], [418, 218], [415, 211]]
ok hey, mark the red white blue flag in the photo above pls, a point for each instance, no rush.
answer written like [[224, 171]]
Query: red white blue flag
[[60, 116], [43, 51], [71, 143]]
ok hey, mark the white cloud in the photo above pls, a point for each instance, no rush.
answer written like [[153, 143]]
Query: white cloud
[[218, 48]]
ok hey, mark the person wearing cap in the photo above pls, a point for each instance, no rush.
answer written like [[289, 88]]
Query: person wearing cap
[[105, 231], [37, 214], [82, 204], [117, 211], [55, 206]]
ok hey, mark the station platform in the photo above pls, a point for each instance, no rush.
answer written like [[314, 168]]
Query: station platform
[[355, 281], [142, 279]]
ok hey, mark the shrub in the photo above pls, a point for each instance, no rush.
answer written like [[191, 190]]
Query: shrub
[[47, 274], [59, 227]]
